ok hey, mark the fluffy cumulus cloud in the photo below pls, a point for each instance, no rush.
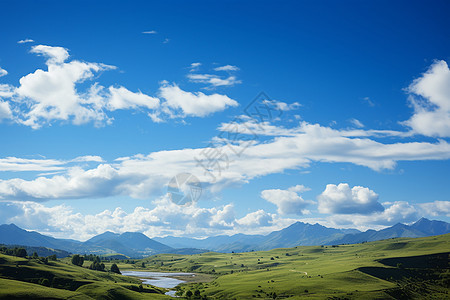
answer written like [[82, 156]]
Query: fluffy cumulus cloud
[[287, 201], [256, 219], [164, 218], [393, 213], [121, 98], [436, 208], [341, 199], [55, 94], [430, 97], [194, 104]]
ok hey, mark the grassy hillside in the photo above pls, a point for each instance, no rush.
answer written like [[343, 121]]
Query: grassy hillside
[[368, 270], [403, 268], [31, 278]]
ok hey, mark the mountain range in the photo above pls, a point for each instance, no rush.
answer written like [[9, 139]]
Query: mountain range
[[303, 234], [137, 245]]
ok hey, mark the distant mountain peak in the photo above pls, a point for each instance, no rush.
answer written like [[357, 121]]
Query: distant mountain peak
[[423, 220]]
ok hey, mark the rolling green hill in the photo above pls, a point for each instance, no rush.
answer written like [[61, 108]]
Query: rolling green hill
[[24, 278], [401, 268]]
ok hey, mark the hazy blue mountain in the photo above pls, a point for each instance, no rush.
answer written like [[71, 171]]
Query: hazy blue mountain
[[301, 234], [431, 227], [128, 243], [296, 234], [136, 244], [421, 228], [13, 235], [220, 243]]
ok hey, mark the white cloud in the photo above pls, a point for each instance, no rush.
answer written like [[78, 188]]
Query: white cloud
[[5, 111], [282, 106], [150, 32], [213, 80], [6, 90], [55, 55], [164, 218], [121, 98], [194, 104], [369, 101], [256, 219], [393, 213], [430, 97], [52, 94], [194, 66], [436, 208], [15, 164], [341, 199], [3, 72], [357, 123], [226, 68], [47, 96], [299, 188], [287, 201], [25, 41], [143, 176]]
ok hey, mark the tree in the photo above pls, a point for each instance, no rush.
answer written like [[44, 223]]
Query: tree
[[77, 260], [115, 269], [97, 266], [20, 252], [189, 294], [35, 255], [197, 294], [52, 257]]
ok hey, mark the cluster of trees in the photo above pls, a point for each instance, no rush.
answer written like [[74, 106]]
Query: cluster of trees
[[194, 295], [19, 252], [22, 252], [96, 264]]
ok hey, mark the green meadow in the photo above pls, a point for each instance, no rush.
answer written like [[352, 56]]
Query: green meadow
[[401, 268], [375, 270]]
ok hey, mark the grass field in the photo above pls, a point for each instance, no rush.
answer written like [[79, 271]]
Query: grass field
[[403, 268], [367, 270]]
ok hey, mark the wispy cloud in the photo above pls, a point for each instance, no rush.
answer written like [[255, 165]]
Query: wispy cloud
[[194, 66], [150, 32], [226, 68], [25, 41], [213, 80], [3, 72], [356, 123]]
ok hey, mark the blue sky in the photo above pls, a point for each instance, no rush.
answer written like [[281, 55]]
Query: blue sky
[[103, 103]]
